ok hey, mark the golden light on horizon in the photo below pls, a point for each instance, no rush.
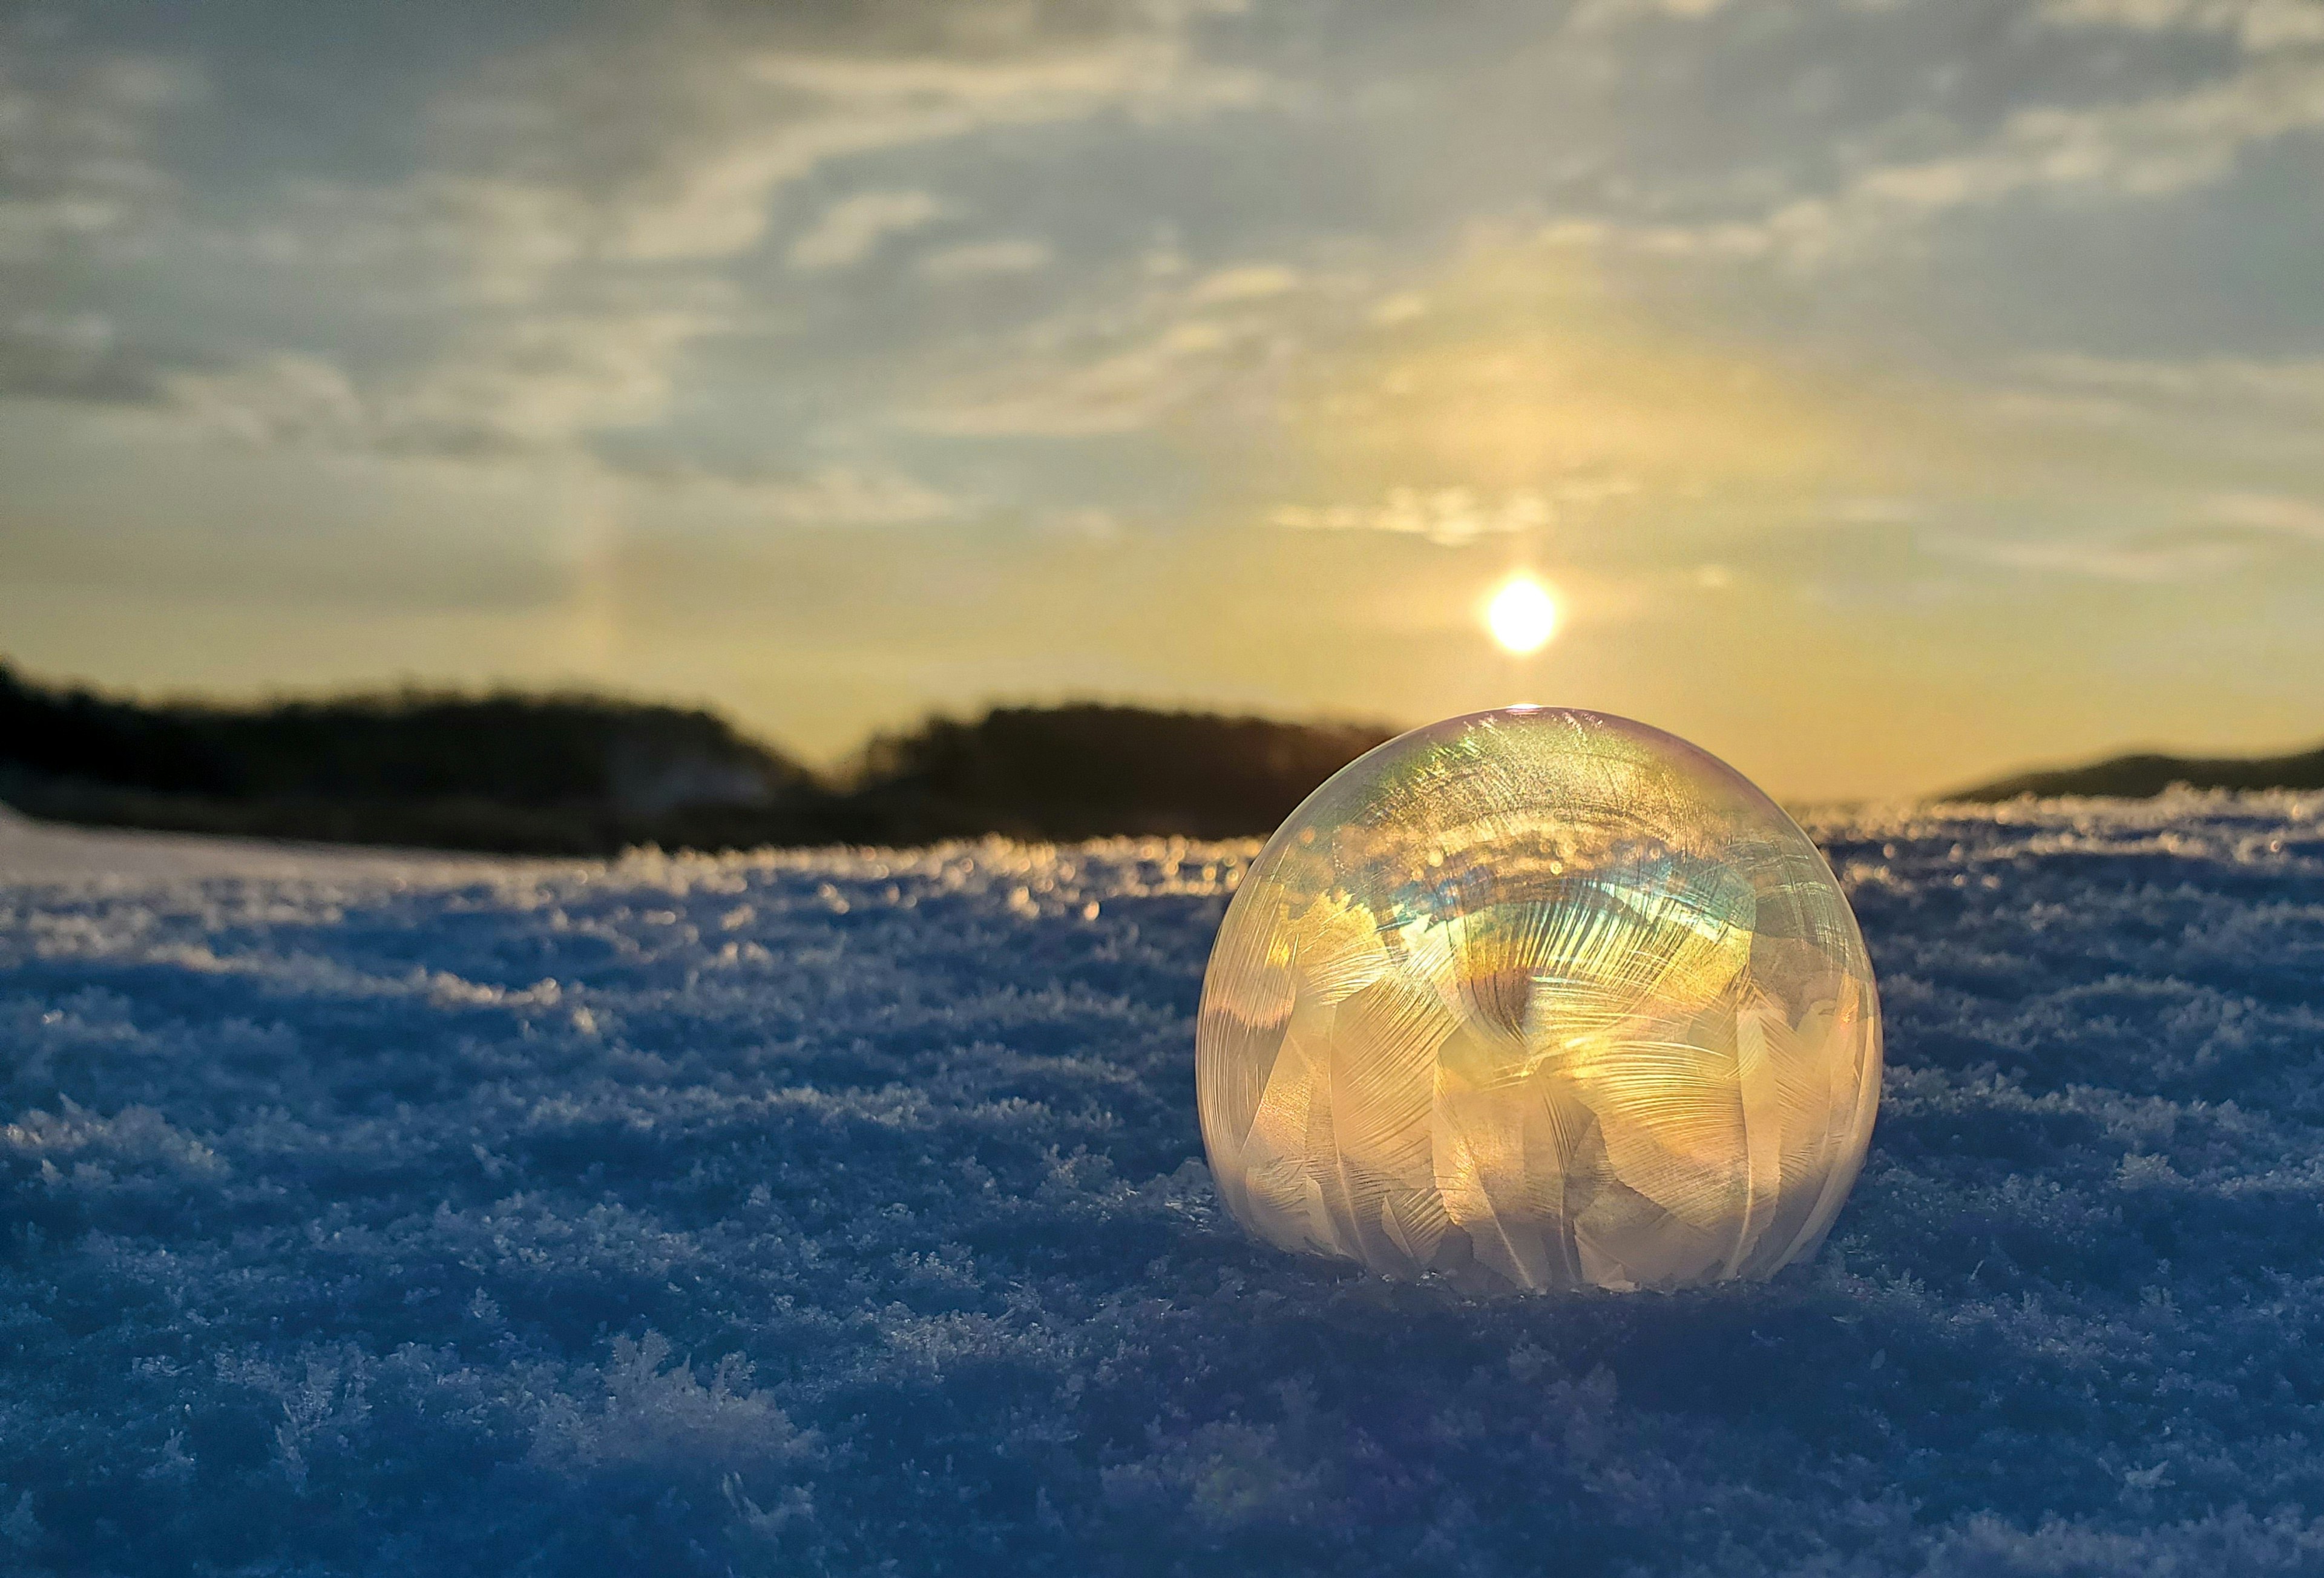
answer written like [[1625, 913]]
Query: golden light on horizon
[[1522, 616]]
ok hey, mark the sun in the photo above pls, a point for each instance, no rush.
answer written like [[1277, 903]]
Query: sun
[[1521, 615]]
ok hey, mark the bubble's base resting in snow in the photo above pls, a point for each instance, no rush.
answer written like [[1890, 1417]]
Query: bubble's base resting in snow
[[832, 1213]]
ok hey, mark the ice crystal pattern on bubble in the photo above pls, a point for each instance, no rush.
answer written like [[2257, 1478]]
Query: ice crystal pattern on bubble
[[1540, 999]]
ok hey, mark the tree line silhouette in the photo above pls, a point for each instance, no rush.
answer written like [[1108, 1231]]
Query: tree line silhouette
[[2146, 774], [579, 773]]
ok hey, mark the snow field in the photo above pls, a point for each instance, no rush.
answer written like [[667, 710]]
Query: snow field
[[844, 1212]]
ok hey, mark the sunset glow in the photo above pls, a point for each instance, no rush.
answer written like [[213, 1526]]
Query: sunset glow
[[834, 367]]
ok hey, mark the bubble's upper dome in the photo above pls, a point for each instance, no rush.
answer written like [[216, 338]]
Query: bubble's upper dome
[[1539, 998]]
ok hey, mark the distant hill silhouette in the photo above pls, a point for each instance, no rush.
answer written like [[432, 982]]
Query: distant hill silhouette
[[555, 774], [2138, 776], [517, 750], [1083, 771], [583, 774]]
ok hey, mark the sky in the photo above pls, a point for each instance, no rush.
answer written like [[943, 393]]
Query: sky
[[1888, 392]]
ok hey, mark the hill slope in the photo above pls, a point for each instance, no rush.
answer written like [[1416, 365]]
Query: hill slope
[[2139, 777]]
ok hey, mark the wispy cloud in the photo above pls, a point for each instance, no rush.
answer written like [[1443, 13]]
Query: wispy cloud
[[2257, 25], [852, 228], [832, 498], [2290, 384], [1450, 517], [2294, 517], [1182, 343], [2217, 535], [79, 163], [575, 229], [539, 382], [71, 357], [981, 259], [2152, 560], [2121, 136]]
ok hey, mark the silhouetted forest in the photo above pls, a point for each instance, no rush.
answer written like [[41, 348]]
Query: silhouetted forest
[[2139, 777], [585, 774], [1084, 771]]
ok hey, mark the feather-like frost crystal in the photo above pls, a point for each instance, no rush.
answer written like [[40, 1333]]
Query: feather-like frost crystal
[[1539, 998]]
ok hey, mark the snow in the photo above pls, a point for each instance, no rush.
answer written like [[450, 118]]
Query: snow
[[843, 1212], [35, 852]]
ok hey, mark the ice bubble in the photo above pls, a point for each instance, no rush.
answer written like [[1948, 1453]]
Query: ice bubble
[[1535, 999]]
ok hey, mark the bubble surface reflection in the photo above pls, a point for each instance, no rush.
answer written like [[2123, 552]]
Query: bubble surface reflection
[[1539, 998]]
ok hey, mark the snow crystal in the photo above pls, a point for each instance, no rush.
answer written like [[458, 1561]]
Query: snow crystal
[[842, 1212]]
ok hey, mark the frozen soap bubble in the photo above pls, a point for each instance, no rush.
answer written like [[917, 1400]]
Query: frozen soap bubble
[[1539, 998]]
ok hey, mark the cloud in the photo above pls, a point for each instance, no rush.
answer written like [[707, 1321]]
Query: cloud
[[2149, 560], [284, 397], [1454, 517], [440, 242], [582, 216], [1599, 14], [1256, 242], [1448, 517], [70, 357], [1510, 389], [1249, 282], [1531, 374], [2256, 24], [832, 497], [1875, 510], [530, 398], [545, 379], [77, 149], [1129, 390], [539, 383], [2294, 517], [852, 228], [1119, 367], [2221, 533], [2148, 148], [982, 259], [843, 497], [2293, 385], [2231, 404], [698, 137], [2142, 120]]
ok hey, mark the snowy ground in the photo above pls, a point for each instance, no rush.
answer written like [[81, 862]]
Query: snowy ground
[[806, 1213]]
